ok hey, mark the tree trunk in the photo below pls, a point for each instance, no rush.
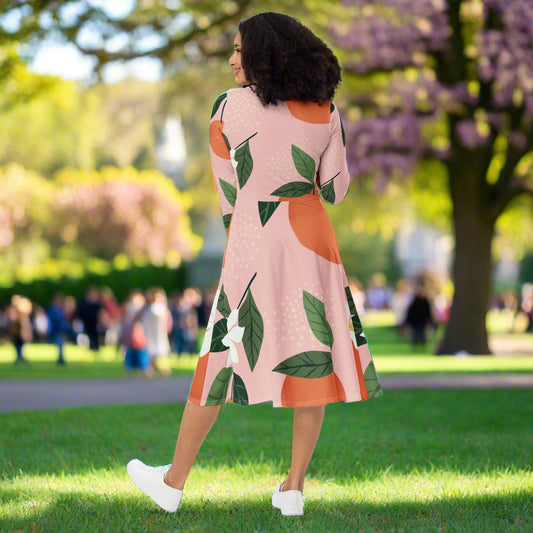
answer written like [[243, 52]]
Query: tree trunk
[[472, 264]]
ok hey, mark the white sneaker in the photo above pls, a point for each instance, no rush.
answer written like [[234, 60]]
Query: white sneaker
[[290, 502], [151, 480]]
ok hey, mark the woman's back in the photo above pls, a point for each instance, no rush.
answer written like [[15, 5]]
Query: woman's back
[[276, 150]]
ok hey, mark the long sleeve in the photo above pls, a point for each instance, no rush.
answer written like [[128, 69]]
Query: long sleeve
[[224, 174], [334, 178]]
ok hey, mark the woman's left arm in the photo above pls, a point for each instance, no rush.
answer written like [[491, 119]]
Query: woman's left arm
[[334, 178], [221, 165]]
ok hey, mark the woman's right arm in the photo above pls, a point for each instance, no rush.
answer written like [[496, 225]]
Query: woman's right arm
[[224, 174]]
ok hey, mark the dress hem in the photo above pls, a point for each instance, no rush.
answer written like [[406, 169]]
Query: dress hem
[[311, 403]]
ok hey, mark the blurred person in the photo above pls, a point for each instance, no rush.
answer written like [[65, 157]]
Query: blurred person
[[58, 327], [157, 324], [359, 296], [70, 307], [19, 327], [132, 335], [419, 317], [89, 311], [378, 293], [400, 300], [206, 305], [442, 305], [39, 324], [176, 312], [191, 300], [283, 299], [527, 305], [111, 316]]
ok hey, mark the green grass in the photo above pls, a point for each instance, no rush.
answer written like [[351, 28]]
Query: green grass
[[410, 461], [81, 363], [393, 355]]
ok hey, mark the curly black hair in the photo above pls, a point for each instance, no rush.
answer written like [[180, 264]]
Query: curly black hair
[[284, 60]]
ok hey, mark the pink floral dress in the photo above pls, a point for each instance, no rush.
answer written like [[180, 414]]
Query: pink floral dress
[[283, 327]]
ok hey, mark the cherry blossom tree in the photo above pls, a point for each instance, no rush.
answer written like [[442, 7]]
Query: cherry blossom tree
[[451, 80], [125, 211]]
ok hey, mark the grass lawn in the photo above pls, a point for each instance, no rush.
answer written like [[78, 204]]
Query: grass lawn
[[410, 461], [393, 356]]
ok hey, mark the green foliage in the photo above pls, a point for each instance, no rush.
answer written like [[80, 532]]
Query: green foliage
[[68, 125], [120, 280], [17, 84], [86, 221]]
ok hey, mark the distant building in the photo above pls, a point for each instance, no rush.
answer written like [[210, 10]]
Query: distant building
[[171, 151], [420, 247]]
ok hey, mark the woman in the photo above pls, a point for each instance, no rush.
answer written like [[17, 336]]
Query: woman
[[283, 327]]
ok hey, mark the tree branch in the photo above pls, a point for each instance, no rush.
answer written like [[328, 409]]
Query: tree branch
[[451, 64], [103, 56]]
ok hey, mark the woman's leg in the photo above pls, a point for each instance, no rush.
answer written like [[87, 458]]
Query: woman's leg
[[306, 427], [195, 425]]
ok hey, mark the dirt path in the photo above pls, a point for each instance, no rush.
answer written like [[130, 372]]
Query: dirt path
[[54, 394]]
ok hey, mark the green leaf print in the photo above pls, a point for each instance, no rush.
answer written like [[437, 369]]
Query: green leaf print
[[316, 316], [251, 320], [312, 365], [230, 192], [266, 210], [328, 192], [304, 163], [219, 388], [356, 322], [331, 107], [360, 336], [351, 303], [218, 101], [223, 303], [226, 141], [227, 220], [342, 130], [293, 189], [239, 392], [372, 384], [245, 163], [219, 332]]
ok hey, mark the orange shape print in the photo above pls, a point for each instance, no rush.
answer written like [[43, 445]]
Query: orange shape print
[[312, 226], [197, 386], [216, 139], [309, 111], [305, 391]]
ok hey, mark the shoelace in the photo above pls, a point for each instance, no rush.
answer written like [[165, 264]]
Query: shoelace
[[157, 468]]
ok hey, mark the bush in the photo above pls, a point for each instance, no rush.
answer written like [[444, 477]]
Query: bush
[[121, 283]]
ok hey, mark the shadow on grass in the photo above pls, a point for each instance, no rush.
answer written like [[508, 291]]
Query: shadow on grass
[[76, 511], [464, 431]]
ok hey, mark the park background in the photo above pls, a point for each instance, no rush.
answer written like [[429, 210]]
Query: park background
[[105, 180]]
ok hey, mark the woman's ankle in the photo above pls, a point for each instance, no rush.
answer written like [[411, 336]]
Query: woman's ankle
[[173, 481], [290, 484]]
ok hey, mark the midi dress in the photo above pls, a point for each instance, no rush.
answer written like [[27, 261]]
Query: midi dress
[[283, 327]]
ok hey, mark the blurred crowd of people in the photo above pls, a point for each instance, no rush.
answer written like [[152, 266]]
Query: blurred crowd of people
[[149, 325], [145, 329], [423, 303]]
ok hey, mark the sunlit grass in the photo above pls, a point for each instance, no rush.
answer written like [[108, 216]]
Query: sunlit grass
[[81, 363], [409, 461]]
